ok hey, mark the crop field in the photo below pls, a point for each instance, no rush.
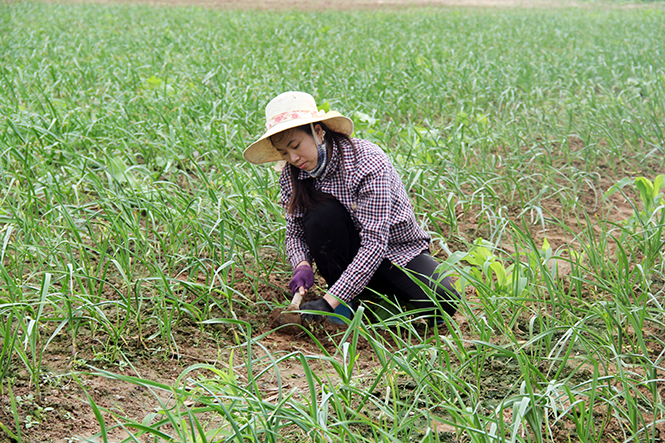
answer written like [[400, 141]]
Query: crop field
[[141, 257]]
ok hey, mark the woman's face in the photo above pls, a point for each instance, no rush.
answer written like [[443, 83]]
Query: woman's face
[[298, 148]]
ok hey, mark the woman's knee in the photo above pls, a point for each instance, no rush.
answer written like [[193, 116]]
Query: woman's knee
[[441, 286]]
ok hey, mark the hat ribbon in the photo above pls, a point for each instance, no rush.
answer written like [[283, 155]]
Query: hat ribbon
[[292, 115]]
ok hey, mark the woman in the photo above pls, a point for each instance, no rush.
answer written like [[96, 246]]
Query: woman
[[346, 211]]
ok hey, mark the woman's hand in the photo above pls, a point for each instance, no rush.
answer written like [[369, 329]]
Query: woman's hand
[[303, 278]]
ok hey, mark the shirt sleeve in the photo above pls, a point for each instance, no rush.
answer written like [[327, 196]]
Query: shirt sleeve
[[373, 213], [294, 242]]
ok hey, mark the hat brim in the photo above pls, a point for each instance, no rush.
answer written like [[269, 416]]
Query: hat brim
[[263, 151]]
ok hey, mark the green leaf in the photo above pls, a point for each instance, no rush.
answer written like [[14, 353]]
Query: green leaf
[[154, 82], [12, 400], [117, 168], [645, 187], [658, 183], [98, 416], [499, 271], [462, 117], [482, 119], [479, 256], [364, 118], [614, 188]]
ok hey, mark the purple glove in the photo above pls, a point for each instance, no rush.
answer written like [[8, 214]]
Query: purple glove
[[302, 276]]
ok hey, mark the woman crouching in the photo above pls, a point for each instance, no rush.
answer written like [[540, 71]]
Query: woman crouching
[[347, 211]]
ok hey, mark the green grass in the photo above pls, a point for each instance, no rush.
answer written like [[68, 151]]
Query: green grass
[[127, 209]]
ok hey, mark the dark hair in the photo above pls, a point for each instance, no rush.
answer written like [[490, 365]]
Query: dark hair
[[305, 195]]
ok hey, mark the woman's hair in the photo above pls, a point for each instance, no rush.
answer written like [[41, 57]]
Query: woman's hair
[[305, 195]]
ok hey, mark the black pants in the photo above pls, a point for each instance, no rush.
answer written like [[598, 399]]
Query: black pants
[[334, 242]]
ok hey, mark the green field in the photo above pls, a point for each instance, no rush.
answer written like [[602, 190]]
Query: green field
[[140, 254]]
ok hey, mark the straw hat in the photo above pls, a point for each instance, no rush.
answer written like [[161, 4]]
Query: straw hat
[[290, 110]]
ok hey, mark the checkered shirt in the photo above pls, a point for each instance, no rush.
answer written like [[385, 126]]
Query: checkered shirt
[[371, 191]]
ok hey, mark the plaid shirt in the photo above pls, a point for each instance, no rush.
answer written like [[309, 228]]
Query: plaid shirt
[[371, 191]]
